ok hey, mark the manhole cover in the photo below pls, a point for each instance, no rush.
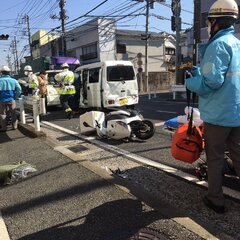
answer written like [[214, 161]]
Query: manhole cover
[[142, 234], [78, 148]]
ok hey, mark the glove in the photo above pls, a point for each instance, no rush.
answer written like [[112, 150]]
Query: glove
[[196, 71]]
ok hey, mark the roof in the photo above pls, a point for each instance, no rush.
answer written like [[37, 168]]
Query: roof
[[169, 45], [138, 33]]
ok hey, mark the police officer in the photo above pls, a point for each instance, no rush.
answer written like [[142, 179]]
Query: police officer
[[217, 82], [9, 91], [67, 91]]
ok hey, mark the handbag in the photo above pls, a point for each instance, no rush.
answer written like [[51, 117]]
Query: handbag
[[187, 141]]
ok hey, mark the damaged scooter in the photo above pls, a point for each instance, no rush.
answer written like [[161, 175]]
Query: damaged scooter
[[119, 124]]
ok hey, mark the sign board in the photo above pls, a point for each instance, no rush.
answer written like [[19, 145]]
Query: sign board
[[139, 55]]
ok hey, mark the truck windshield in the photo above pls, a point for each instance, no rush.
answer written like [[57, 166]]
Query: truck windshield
[[120, 73]]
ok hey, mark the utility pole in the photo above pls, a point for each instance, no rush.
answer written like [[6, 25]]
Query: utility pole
[[176, 26], [146, 36], [63, 17], [29, 35], [146, 48], [9, 62], [196, 29], [15, 55]]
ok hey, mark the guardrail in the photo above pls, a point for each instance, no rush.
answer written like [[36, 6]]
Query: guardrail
[[177, 88], [36, 105]]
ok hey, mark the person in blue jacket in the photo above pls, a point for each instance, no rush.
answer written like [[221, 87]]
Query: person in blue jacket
[[9, 91], [217, 82]]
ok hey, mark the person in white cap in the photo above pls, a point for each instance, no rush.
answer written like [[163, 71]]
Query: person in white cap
[[67, 91], [217, 82], [9, 91]]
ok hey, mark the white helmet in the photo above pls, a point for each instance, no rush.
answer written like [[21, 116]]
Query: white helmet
[[223, 8], [28, 68], [64, 65], [5, 69]]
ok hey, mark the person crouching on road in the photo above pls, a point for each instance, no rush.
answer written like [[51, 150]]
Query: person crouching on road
[[67, 91], [9, 91], [217, 82]]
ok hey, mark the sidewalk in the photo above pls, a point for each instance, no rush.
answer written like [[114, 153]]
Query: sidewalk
[[72, 196]]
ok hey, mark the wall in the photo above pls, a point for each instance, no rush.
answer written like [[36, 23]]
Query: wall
[[97, 31]]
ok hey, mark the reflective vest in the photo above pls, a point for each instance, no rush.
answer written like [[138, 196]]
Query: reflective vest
[[66, 79], [32, 81]]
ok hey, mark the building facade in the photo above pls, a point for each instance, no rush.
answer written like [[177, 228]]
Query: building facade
[[99, 40]]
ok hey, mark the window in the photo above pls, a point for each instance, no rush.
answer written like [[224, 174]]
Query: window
[[121, 48], [170, 51], [89, 51], [120, 73], [94, 75]]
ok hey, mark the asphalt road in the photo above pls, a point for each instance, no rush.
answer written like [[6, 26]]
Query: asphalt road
[[64, 200], [158, 109]]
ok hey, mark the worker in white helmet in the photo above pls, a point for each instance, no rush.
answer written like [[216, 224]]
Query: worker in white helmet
[[67, 90], [32, 80], [10, 90], [217, 82]]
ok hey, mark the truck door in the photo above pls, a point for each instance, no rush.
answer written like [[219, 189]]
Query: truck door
[[120, 86], [83, 92], [93, 87]]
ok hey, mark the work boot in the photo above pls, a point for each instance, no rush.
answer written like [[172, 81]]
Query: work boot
[[69, 113]]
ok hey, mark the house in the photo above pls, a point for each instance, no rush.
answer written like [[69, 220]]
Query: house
[[99, 40]]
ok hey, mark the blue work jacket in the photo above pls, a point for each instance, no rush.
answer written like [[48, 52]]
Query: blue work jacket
[[218, 81], [9, 89]]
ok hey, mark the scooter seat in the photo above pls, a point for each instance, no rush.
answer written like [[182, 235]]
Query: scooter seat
[[120, 112]]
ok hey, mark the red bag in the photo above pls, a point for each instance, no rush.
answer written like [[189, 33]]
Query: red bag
[[187, 143]]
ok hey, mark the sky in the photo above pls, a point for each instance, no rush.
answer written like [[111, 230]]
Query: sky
[[44, 14]]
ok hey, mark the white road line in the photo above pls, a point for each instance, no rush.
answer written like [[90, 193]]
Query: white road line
[[166, 112], [3, 230], [227, 191], [159, 124]]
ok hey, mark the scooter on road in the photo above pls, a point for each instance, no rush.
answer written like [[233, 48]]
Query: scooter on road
[[118, 124]]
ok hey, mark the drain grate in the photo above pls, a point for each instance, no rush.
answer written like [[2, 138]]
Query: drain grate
[[142, 234], [78, 148]]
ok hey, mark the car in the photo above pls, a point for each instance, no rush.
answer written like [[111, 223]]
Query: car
[[52, 88]]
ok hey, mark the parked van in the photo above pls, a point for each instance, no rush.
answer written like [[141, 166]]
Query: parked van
[[108, 84]]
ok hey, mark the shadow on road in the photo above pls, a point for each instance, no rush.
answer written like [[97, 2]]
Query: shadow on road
[[102, 221]]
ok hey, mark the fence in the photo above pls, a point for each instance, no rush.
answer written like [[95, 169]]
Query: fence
[[36, 105], [157, 81]]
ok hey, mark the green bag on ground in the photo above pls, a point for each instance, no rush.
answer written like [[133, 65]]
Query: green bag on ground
[[14, 172]]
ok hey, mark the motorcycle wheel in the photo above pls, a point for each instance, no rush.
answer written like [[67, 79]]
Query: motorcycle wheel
[[146, 130]]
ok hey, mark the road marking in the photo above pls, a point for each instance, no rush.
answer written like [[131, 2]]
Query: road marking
[[166, 111], [227, 191], [3, 229], [159, 124]]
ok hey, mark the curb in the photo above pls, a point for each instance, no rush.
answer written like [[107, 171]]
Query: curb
[[29, 131]]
